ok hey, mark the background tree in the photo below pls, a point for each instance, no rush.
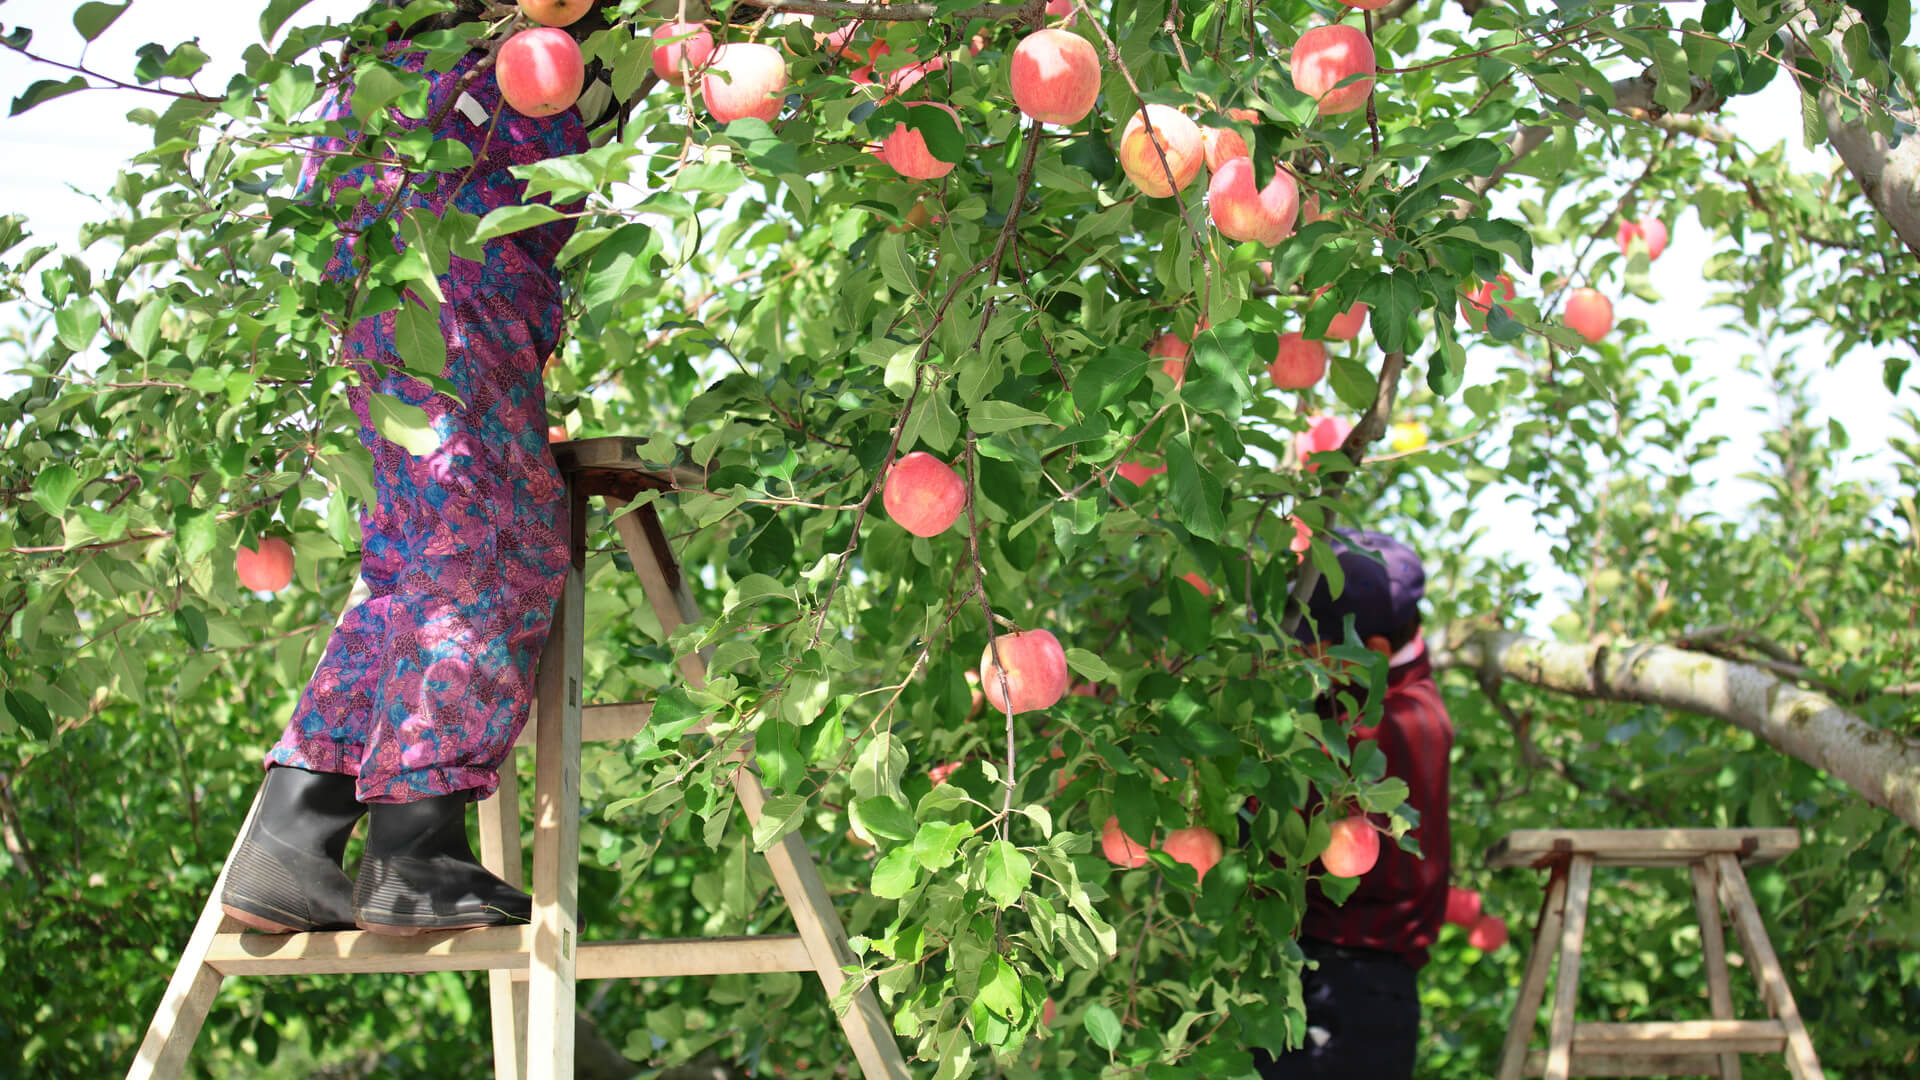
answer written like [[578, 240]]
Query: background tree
[[779, 307]]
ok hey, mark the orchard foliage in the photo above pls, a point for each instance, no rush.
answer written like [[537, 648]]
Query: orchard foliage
[[769, 301]]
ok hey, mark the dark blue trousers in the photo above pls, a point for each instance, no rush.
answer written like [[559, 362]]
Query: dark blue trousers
[[1365, 1003]]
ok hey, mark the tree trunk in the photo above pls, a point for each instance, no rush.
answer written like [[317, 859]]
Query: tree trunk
[[1883, 766]]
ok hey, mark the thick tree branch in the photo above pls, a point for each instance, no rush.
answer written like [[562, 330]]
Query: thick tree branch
[[1883, 766]]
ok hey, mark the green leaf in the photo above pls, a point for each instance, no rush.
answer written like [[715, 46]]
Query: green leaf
[[404, 424], [937, 843], [191, 622], [30, 714], [879, 768], [1000, 987], [1196, 494], [991, 416], [777, 818], [895, 875], [77, 324], [1103, 1027], [53, 487], [276, 16], [776, 749], [1395, 299], [1109, 377], [1007, 872], [93, 19], [940, 131], [719, 177], [1087, 663], [416, 328], [881, 816], [512, 219], [1384, 796], [44, 91]]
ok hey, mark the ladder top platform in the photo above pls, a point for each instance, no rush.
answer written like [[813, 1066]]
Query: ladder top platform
[[1541, 848], [613, 465]]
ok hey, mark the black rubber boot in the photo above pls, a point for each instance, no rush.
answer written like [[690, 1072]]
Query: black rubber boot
[[286, 877], [419, 873]]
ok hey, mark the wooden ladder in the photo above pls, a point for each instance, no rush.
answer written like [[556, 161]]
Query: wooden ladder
[[1659, 1048], [533, 968]]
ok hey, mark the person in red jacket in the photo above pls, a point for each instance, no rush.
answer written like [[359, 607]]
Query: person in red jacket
[[1363, 1011]]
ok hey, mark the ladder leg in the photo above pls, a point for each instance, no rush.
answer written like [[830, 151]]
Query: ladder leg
[[190, 993], [1719, 991], [500, 853], [1801, 1061], [660, 576], [1533, 985], [556, 830], [1566, 988]]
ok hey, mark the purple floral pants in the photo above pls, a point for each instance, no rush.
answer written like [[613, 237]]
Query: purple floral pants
[[426, 680]]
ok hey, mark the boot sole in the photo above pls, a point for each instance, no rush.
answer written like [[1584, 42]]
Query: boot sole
[[259, 922], [398, 930]]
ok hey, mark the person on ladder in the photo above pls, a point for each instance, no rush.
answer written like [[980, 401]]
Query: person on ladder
[[427, 678], [1363, 1012]]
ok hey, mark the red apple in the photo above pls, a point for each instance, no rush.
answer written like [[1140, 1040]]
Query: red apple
[[1241, 212], [1140, 473], [1354, 849], [1589, 314], [679, 48], [557, 433], [555, 12], [269, 569], [540, 71], [1222, 145], [1197, 582], [1047, 1011], [743, 80], [923, 495], [1119, 848], [1488, 934], [1179, 140], [1649, 231], [1310, 209], [1036, 669], [1299, 363], [1055, 76], [1057, 8], [1326, 56], [1481, 299], [1366, 5], [1172, 353], [906, 150], [1345, 326], [1197, 847], [1463, 906], [1323, 433], [1302, 539], [939, 773]]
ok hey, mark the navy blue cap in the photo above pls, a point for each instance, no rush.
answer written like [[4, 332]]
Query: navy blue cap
[[1384, 585]]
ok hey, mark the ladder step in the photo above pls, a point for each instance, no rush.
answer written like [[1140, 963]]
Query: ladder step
[[1693, 1036], [1637, 1065], [500, 948], [1641, 847]]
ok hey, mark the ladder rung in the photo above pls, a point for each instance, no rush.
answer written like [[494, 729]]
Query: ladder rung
[[1694, 1036], [1637, 1065], [1642, 847], [615, 722], [500, 948]]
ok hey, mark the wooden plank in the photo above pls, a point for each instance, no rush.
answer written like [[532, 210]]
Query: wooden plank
[[1566, 988], [1643, 1065], [1802, 1063], [556, 837], [501, 949], [623, 452], [826, 940], [1697, 1036], [1706, 905], [665, 586], [190, 993], [614, 722], [1533, 985], [1641, 847], [500, 852]]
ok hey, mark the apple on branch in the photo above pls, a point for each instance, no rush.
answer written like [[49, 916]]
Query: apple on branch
[[1055, 76], [268, 569], [923, 494], [1298, 364], [1327, 56], [680, 48], [1119, 848], [1036, 671], [1353, 849], [743, 80], [540, 71], [1197, 847], [1177, 137]]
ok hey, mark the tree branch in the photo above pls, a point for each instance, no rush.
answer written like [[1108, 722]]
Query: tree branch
[[851, 9], [1883, 766]]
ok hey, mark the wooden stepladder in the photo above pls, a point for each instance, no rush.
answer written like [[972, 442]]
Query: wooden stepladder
[[1660, 1048], [533, 968]]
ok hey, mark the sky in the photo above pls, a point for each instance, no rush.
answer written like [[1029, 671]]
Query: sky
[[62, 152]]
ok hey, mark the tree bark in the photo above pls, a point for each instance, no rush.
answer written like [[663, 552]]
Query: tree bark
[[1883, 766]]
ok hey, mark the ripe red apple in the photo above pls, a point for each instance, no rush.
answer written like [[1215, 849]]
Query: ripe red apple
[[1197, 582], [1649, 231], [1140, 473], [744, 79], [906, 150], [269, 569], [923, 495], [1197, 847], [1354, 849], [1324, 57], [1222, 145], [1366, 5], [1055, 76], [1057, 8], [540, 71], [1299, 363], [1481, 299], [1240, 212], [1463, 906], [939, 773], [1119, 848], [679, 48], [1323, 433], [1178, 138], [1488, 934], [1036, 668], [555, 12], [557, 433], [1047, 1011], [1310, 209], [1302, 539], [1589, 314], [1172, 353], [1345, 326]]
